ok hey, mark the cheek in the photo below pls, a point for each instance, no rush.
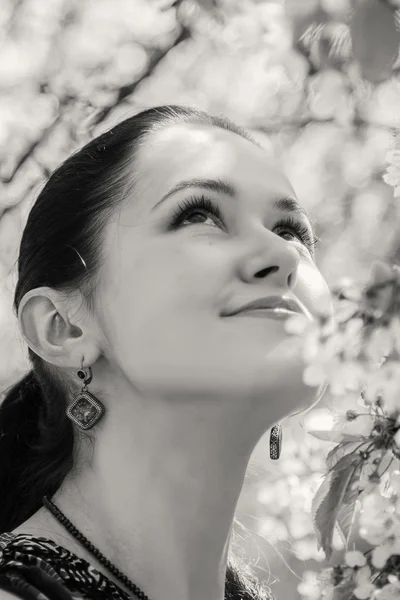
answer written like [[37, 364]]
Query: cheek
[[312, 289], [161, 315], [160, 285]]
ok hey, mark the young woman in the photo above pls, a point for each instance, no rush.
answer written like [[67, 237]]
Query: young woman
[[156, 270]]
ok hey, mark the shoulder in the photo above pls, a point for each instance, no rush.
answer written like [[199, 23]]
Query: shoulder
[[8, 595]]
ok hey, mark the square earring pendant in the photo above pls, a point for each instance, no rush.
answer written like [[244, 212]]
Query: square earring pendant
[[85, 410]]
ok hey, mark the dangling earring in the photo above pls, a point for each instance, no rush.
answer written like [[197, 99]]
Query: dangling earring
[[275, 442], [85, 410]]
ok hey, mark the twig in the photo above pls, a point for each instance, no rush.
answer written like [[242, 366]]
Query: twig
[[127, 90], [28, 152], [123, 92], [278, 126]]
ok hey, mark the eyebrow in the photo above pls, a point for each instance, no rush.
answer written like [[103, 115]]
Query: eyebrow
[[286, 204]]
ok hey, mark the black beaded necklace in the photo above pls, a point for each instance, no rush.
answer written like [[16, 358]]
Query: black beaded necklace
[[81, 538]]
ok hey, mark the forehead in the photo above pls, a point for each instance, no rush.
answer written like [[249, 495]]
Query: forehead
[[184, 151]]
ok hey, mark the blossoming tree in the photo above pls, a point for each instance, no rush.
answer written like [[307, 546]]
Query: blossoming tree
[[316, 82]]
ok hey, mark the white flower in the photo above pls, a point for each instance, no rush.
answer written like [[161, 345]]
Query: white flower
[[390, 591], [384, 486], [391, 386], [363, 575], [380, 344], [393, 156], [392, 175], [347, 376], [364, 592], [309, 586], [297, 324], [395, 328], [362, 425], [395, 481], [354, 338], [311, 347], [355, 559], [381, 555], [386, 381], [374, 516]]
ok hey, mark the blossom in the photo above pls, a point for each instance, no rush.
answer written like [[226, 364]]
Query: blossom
[[392, 175], [384, 381], [310, 586], [390, 591], [363, 575], [296, 324], [355, 559], [362, 425], [352, 359], [395, 482], [376, 522], [364, 592], [380, 344], [395, 329], [380, 556]]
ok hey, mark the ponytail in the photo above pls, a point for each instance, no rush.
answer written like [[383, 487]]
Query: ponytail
[[35, 451]]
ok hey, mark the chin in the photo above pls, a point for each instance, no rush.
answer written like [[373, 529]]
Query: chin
[[280, 392]]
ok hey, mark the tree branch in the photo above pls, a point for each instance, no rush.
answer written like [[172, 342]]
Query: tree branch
[[122, 93], [28, 152], [127, 90], [276, 127]]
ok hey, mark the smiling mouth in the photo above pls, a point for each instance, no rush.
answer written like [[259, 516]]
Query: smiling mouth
[[277, 313]]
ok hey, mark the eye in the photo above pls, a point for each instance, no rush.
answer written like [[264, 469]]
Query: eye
[[299, 231], [204, 207], [195, 206]]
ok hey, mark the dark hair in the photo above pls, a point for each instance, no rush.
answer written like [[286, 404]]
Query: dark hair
[[61, 247]]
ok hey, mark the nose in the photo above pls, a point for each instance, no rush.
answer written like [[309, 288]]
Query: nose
[[272, 257]]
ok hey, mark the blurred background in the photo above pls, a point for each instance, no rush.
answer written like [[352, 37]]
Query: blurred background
[[316, 82]]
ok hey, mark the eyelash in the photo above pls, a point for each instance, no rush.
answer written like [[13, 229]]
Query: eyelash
[[202, 203]]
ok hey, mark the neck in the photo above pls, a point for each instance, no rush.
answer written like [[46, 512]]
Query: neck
[[158, 493]]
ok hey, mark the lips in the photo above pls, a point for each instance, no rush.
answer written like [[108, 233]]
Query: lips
[[271, 302]]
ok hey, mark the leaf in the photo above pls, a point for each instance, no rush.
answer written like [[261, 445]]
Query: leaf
[[341, 450], [344, 522], [375, 39], [347, 511], [325, 487], [329, 498]]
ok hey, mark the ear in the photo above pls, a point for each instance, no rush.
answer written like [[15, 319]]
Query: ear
[[45, 324]]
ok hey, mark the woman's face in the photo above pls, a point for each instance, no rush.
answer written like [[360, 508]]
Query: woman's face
[[169, 275]]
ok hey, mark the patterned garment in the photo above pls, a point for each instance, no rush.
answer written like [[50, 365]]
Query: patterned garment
[[35, 568]]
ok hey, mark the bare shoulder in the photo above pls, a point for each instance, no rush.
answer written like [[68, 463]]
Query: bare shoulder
[[8, 595]]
